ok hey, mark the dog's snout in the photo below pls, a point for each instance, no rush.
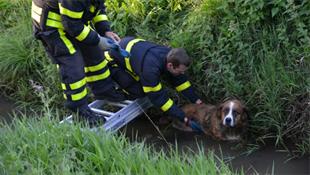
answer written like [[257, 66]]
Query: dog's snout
[[228, 121]]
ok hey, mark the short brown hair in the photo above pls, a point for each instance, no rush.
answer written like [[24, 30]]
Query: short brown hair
[[178, 56]]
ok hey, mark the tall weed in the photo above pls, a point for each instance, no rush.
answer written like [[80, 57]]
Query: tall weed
[[255, 50], [46, 147]]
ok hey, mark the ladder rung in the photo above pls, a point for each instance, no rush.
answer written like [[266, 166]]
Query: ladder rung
[[118, 104], [107, 113], [115, 120]]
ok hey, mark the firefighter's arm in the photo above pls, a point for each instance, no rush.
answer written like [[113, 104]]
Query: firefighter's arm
[[182, 85], [102, 25], [71, 13], [159, 97]]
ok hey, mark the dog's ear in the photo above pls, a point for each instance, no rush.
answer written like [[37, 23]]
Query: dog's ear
[[219, 110]]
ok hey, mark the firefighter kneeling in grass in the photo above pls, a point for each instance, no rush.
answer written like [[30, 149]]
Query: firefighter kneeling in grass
[[74, 33], [140, 75]]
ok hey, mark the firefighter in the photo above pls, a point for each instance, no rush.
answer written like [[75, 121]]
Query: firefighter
[[141, 74], [74, 33]]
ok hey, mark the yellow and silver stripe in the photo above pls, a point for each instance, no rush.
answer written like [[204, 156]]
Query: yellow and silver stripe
[[70, 13], [156, 88], [102, 76], [167, 105], [99, 18], [76, 85], [83, 34], [183, 86], [96, 67]]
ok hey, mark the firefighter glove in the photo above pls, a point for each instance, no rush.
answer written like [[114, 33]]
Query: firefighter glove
[[107, 43]]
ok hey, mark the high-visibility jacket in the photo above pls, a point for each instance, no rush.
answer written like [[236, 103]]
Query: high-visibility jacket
[[147, 64], [77, 18]]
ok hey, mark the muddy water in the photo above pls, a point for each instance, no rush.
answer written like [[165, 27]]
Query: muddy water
[[6, 108], [265, 160]]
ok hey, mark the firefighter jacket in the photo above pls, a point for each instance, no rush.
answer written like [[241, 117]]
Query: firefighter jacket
[[147, 64], [77, 18]]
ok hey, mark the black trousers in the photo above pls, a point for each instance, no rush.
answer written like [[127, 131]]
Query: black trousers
[[79, 65], [131, 87]]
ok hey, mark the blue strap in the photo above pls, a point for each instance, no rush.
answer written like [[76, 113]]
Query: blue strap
[[195, 126], [118, 48]]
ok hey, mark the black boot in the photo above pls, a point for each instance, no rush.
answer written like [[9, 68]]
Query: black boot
[[111, 95], [87, 115]]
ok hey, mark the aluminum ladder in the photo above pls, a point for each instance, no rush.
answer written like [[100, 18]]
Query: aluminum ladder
[[121, 114]]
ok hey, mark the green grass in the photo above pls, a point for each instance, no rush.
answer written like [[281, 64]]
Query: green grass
[[255, 50], [44, 146], [22, 57]]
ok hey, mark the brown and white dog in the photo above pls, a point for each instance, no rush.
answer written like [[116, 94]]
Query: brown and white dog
[[227, 121]]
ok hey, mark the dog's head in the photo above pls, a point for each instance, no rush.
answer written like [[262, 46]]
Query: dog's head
[[232, 113]]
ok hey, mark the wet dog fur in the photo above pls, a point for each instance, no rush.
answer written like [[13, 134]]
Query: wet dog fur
[[226, 121]]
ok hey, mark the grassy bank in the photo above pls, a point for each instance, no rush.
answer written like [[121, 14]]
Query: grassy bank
[[46, 147], [255, 50]]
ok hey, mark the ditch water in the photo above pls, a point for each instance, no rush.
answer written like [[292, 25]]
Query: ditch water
[[6, 108], [265, 160]]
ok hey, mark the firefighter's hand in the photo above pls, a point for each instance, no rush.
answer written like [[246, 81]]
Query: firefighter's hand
[[199, 102], [113, 36], [107, 43], [192, 124]]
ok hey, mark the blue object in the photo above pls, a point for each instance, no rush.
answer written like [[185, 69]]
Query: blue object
[[123, 52], [117, 48], [195, 126]]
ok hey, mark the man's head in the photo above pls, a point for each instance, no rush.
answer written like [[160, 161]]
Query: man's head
[[177, 61]]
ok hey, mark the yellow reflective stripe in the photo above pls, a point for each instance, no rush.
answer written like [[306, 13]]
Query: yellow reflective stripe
[[183, 86], [36, 9], [56, 24], [107, 56], [100, 18], [78, 84], [54, 16], [75, 85], [131, 43], [97, 67], [167, 105], [63, 86], [94, 78], [137, 78], [128, 49], [79, 96], [86, 70], [66, 41], [128, 66], [70, 13], [156, 88], [83, 34], [65, 96], [35, 16], [92, 8]]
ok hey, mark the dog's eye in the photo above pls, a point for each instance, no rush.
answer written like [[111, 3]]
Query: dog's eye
[[226, 110], [235, 113]]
